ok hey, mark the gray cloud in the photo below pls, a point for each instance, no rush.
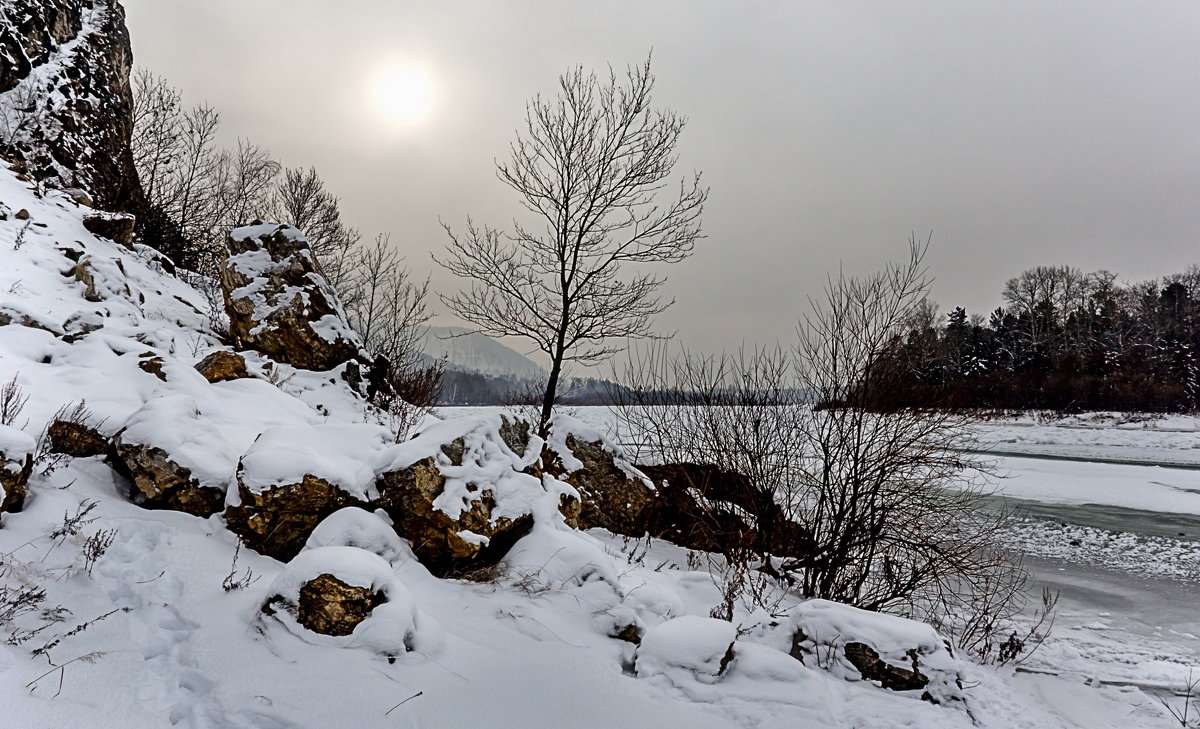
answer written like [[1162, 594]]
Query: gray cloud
[[1020, 133]]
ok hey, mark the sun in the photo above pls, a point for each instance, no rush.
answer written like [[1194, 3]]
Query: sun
[[403, 93]]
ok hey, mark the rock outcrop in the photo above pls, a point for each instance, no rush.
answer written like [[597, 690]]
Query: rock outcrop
[[279, 302], [462, 507], [117, 227], [65, 99], [159, 482], [278, 521], [613, 494], [293, 477], [173, 457]]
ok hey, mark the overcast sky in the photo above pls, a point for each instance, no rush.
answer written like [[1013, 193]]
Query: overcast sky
[[1019, 133]]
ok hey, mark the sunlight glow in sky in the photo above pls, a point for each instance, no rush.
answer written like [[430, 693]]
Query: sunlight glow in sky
[[403, 93]]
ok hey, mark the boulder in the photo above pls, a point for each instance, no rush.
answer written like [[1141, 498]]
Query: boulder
[[701, 506], [895, 653], [295, 476], [117, 227], [279, 302], [158, 482], [613, 494], [465, 505], [328, 605], [71, 438], [278, 521], [344, 596], [16, 466], [223, 365], [174, 458]]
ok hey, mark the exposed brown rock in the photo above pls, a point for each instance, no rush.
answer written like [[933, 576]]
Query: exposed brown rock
[[22, 214], [223, 365], [153, 366], [74, 439], [277, 521], [408, 495], [331, 607], [611, 498], [117, 227], [161, 483]]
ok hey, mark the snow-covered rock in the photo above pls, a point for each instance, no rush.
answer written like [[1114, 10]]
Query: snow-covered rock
[[16, 464], [279, 302], [355, 527], [860, 645], [296, 475], [686, 649], [174, 458], [460, 494], [613, 494], [344, 596]]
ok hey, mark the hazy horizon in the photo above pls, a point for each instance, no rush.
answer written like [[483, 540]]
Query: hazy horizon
[[1019, 134]]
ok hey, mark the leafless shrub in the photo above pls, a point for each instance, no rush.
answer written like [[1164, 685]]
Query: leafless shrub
[[1183, 713], [20, 239], [72, 524], [95, 547], [871, 508], [12, 402], [235, 580], [18, 110]]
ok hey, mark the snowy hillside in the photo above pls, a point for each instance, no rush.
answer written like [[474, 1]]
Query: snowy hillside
[[464, 349], [156, 617]]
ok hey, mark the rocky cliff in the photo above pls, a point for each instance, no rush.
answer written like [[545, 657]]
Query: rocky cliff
[[65, 99]]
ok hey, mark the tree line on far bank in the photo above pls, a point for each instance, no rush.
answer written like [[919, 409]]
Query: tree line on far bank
[[1065, 340]]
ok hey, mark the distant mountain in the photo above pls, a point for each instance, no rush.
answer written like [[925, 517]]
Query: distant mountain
[[469, 351]]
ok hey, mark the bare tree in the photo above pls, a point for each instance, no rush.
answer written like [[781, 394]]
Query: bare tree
[[591, 168], [302, 200], [157, 131], [882, 509]]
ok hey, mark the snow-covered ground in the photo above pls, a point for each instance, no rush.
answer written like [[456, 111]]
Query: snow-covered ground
[[148, 635]]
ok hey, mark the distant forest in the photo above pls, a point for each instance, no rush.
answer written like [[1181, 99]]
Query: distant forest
[[1064, 341], [460, 387]]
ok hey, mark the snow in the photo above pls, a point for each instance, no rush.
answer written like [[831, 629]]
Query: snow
[[355, 527], [685, 649], [1148, 488], [173, 423]]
